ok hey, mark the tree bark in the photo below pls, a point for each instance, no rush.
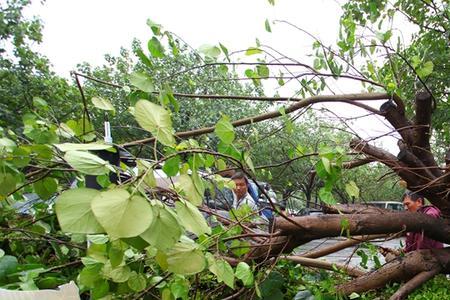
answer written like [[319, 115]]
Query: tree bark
[[400, 269]]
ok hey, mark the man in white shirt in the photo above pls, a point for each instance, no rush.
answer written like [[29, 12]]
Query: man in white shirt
[[240, 192]]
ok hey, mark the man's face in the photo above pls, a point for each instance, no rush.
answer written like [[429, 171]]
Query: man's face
[[411, 205], [241, 187]]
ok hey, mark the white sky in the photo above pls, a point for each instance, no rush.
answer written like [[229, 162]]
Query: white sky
[[85, 30]]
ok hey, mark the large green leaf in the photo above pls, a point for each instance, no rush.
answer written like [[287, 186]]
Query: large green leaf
[[210, 50], [352, 189], [185, 259], [87, 163], [103, 104], [7, 184], [244, 273], [221, 269], [165, 230], [122, 215], [155, 119], [224, 130], [425, 70], [188, 189], [83, 147], [191, 218], [8, 265], [137, 282], [46, 187], [73, 209], [172, 166], [155, 48], [142, 82]]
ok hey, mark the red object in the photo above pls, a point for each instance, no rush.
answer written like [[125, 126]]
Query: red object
[[417, 240]]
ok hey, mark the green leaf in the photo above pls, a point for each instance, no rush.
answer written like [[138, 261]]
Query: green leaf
[[191, 218], [172, 166], [326, 164], [426, 70], [21, 157], [267, 26], [142, 82], [165, 230], [185, 259], [262, 71], [189, 190], [83, 147], [345, 226], [180, 287], [253, 51], [90, 274], [145, 168], [244, 273], [120, 274], [326, 196], [73, 210], [39, 102], [386, 36], [103, 104], [155, 48], [99, 239], [221, 269], [137, 282], [210, 50], [353, 296], [100, 289], [46, 187], [156, 28], [225, 130], [8, 265], [166, 294], [115, 256], [122, 215], [7, 145], [156, 120], [352, 189], [87, 163], [224, 50]]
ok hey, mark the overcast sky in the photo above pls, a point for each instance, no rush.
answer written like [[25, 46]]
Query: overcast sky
[[85, 30]]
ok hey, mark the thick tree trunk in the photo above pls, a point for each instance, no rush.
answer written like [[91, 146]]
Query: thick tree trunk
[[417, 266], [297, 231]]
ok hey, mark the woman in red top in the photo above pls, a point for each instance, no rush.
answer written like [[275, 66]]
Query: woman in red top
[[414, 202]]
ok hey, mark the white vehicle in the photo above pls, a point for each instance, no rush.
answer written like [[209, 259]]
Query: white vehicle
[[392, 205]]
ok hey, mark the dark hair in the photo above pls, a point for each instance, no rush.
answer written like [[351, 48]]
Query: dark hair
[[229, 173], [413, 196], [239, 175]]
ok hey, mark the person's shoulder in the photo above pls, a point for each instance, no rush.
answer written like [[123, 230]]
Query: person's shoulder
[[431, 210]]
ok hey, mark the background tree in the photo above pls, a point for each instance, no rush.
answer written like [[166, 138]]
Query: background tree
[[26, 74]]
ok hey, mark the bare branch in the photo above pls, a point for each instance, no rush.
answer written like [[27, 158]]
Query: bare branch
[[349, 98], [341, 245]]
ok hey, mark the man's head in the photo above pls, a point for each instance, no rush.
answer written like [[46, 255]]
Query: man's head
[[412, 201], [241, 184]]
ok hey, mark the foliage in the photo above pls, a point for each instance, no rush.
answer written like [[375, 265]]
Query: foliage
[[168, 72], [26, 78], [418, 64], [131, 238]]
